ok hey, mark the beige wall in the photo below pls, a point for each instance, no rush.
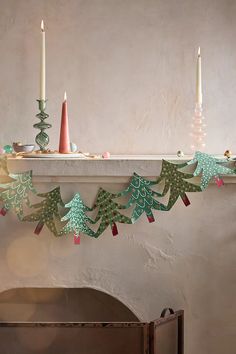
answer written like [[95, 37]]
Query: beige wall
[[128, 67]]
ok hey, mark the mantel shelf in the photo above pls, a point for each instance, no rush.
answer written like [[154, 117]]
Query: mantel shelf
[[114, 170]]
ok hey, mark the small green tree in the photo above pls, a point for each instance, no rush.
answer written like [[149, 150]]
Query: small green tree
[[16, 193], [77, 219], [47, 211], [176, 183], [210, 167], [142, 196], [108, 212]]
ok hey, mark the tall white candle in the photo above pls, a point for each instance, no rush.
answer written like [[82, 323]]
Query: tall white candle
[[42, 95], [199, 78]]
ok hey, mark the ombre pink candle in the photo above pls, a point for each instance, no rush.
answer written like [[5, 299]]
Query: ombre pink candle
[[64, 144]]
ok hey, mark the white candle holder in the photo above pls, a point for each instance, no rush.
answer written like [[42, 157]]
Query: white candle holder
[[198, 134]]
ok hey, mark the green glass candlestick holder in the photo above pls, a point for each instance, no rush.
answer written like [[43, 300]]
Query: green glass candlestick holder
[[42, 138]]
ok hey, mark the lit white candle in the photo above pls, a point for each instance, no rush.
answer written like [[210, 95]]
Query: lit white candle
[[199, 78], [42, 95]]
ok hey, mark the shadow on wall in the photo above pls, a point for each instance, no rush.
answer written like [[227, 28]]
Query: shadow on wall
[[62, 305]]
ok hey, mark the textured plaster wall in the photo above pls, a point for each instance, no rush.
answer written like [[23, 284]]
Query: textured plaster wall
[[186, 259], [128, 67]]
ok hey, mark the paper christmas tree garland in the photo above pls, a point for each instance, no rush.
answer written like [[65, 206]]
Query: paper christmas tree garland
[[175, 183], [108, 213], [47, 211], [16, 193], [77, 219], [209, 167], [142, 197]]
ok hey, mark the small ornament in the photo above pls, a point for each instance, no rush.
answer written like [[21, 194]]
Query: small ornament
[[8, 149], [1, 151], [228, 153], [106, 155], [73, 147], [180, 153]]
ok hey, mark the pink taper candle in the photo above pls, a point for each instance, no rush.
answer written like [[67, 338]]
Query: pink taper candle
[[64, 145]]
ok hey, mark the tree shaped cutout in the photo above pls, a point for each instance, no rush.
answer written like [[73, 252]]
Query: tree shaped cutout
[[108, 213], [77, 219], [142, 197], [175, 182], [16, 193], [209, 167], [47, 211]]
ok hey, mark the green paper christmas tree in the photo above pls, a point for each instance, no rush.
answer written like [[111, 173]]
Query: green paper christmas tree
[[16, 193], [142, 197], [209, 167], [175, 183], [108, 212], [47, 211], [77, 219]]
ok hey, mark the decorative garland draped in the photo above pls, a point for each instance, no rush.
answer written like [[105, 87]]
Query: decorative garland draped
[[108, 207]]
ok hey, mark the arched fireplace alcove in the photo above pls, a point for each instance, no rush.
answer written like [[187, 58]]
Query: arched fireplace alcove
[[62, 305]]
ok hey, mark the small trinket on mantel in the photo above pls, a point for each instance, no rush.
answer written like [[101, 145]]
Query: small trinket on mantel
[[73, 147], [228, 153], [106, 155], [180, 153]]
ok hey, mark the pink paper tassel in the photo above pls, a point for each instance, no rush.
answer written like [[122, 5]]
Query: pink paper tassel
[[38, 228], [3, 211], [150, 218], [185, 199], [114, 229], [76, 239], [219, 181]]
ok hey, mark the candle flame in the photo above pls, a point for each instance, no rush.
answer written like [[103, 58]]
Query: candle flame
[[65, 96], [199, 51], [42, 26]]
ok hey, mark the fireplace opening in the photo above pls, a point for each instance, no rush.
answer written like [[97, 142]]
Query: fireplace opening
[[62, 305], [82, 320]]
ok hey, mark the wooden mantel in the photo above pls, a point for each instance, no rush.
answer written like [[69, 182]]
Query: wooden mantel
[[116, 169]]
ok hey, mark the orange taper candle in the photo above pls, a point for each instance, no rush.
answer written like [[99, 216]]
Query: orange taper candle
[[64, 144]]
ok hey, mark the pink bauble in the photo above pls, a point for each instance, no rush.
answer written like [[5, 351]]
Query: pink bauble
[[106, 155], [1, 151]]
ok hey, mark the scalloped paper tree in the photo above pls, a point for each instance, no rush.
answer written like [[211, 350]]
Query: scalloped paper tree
[[210, 167], [16, 193], [77, 219], [142, 196], [47, 211], [175, 182], [108, 213]]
